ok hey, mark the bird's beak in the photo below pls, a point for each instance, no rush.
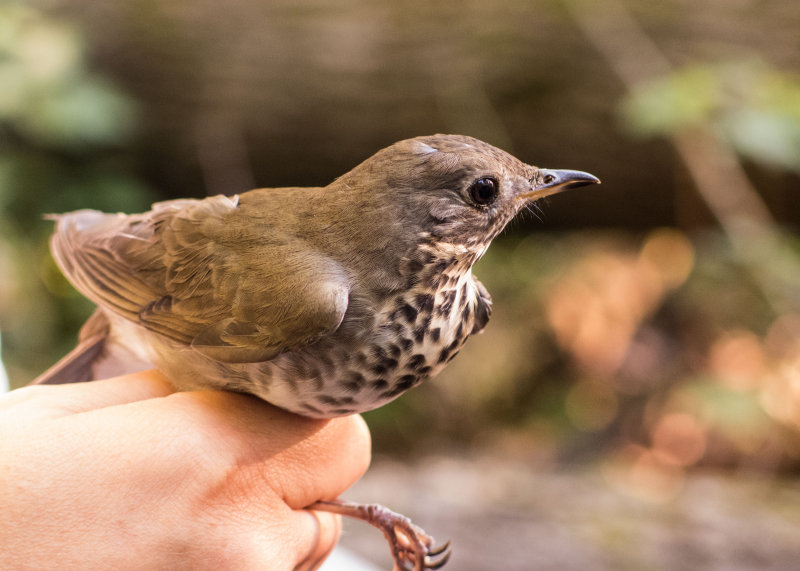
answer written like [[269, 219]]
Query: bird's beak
[[552, 181]]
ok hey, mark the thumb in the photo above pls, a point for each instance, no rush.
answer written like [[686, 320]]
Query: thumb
[[319, 535], [303, 541]]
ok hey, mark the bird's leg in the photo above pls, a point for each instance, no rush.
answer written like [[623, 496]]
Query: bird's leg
[[412, 548]]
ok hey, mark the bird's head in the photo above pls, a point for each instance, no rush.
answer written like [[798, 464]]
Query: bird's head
[[456, 192]]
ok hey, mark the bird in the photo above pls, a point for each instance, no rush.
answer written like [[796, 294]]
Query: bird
[[323, 301]]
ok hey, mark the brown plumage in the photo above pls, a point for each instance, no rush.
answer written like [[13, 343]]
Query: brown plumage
[[323, 301]]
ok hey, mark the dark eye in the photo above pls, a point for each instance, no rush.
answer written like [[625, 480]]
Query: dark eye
[[483, 191]]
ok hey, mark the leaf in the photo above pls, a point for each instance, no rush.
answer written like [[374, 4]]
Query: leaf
[[764, 136], [86, 111], [665, 105]]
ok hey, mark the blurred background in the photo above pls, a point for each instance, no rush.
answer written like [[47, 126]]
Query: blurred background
[[635, 400]]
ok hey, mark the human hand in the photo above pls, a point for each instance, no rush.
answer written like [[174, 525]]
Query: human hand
[[127, 473]]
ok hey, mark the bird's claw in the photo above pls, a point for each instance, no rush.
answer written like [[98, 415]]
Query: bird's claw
[[412, 548], [437, 557]]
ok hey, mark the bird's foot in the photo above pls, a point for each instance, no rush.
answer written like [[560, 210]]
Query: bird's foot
[[412, 548]]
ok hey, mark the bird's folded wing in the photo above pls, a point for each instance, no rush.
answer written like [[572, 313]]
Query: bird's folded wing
[[203, 274], [483, 306]]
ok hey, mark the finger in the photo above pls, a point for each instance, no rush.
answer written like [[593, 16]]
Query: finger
[[308, 459], [301, 542], [319, 534], [301, 459], [340, 455], [51, 401]]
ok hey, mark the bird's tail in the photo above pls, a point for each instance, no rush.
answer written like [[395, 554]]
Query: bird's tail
[[79, 365]]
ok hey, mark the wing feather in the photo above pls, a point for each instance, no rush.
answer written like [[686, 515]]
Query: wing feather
[[207, 273]]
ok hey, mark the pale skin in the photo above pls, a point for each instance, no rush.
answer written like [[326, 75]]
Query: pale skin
[[127, 473]]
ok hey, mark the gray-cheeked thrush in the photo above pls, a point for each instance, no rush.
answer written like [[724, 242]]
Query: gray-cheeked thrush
[[323, 301]]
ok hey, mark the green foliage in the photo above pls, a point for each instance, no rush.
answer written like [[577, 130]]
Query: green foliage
[[63, 136], [753, 107], [683, 99], [49, 97]]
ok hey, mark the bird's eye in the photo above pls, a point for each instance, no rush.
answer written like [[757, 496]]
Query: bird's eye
[[483, 191]]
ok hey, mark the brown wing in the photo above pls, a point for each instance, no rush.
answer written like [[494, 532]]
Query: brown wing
[[483, 306], [206, 273]]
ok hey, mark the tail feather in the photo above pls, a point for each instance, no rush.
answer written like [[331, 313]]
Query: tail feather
[[96, 357], [77, 366]]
